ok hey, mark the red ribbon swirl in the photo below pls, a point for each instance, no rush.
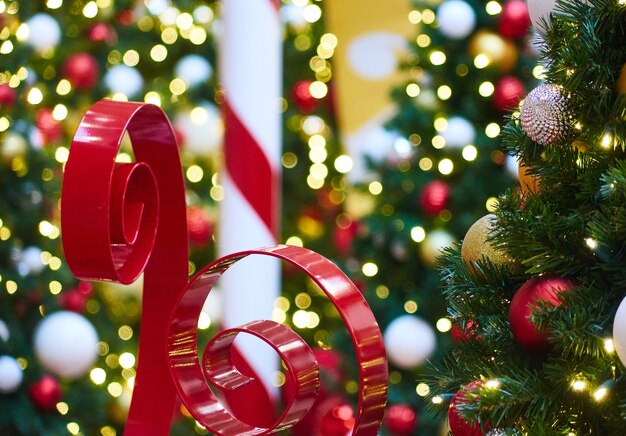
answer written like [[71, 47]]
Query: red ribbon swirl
[[122, 219]]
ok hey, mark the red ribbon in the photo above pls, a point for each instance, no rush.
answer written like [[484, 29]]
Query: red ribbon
[[119, 220]]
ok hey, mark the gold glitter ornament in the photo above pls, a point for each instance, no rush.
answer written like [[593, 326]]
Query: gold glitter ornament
[[501, 52], [13, 145], [475, 244], [545, 115]]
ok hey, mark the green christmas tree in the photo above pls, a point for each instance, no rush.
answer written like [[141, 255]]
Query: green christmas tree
[[469, 63], [542, 310]]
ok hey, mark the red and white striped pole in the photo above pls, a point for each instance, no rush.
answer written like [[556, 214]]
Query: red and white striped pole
[[251, 74]]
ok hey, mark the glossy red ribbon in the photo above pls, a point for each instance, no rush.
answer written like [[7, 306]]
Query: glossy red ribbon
[[122, 219]]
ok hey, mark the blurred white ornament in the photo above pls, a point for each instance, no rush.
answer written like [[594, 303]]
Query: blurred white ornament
[[36, 138], [459, 132], [4, 331], [293, 15], [540, 9], [202, 129], [434, 243], [44, 32], [10, 375], [374, 55], [193, 69], [409, 341], [456, 19], [619, 331], [124, 79], [512, 166], [29, 261], [378, 142], [66, 344]]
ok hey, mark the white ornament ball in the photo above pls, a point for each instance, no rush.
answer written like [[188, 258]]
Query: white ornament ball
[[66, 344], [433, 245], [456, 19], [619, 331], [124, 79], [44, 32], [202, 129], [29, 261], [193, 69], [540, 9], [4, 331], [459, 133], [409, 341], [10, 375]]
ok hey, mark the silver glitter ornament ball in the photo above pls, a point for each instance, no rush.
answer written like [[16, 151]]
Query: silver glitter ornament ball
[[545, 115]]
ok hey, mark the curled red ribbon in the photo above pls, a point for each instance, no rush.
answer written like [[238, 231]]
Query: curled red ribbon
[[122, 219]]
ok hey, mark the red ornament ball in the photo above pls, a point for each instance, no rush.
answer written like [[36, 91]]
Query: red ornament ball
[[400, 420], [75, 299], [514, 19], [200, 226], [102, 32], [302, 96], [338, 421], [458, 425], [82, 70], [469, 333], [508, 93], [45, 393], [7, 96], [434, 197], [344, 235], [50, 129], [544, 289]]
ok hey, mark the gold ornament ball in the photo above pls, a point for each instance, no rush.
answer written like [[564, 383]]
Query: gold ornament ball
[[621, 81], [13, 145], [431, 248], [475, 244], [501, 52]]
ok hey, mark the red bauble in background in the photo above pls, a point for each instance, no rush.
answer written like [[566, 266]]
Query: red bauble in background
[[458, 425], [76, 298], [45, 393], [344, 235], [514, 19], [508, 93], [338, 421], [302, 96], [102, 32], [544, 289], [469, 333], [7, 96], [434, 197], [400, 420], [50, 129], [200, 226], [82, 70]]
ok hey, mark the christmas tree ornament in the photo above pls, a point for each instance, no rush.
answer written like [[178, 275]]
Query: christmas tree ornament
[[514, 19], [409, 341], [50, 129], [508, 93], [545, 115], [202, 129], [338, 421], [434, 197], [456, 19], [459, 132], [102, 32], [7, 96], [29, 261], [540, 11], [542, 289], [302, 97], [82, 70], [44, 32], [45, 393], [4, 331], [464, 334], [72, 300], [400, 420], [66, 344], [458, 425], [501, 52], [619, 331], [343, 235], [11, 375], [13, 145], [124, 80], [621, 81], [476, 244], [194, 70], [432, 246], [528, 181], [200, 226]]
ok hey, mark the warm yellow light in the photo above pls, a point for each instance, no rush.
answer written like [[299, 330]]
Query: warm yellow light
[[90, 10], [437, 400], [470, 153], [115, 389], [446, 166], [131, 58], [61, 154], [600, 393], [312, 13], [369, 269], [152, 97], [437, 57], [318, 155], [318, 89], [607, 140], [493, 8], [63, 407], [195, 173], [343, 164], [591, 243], [23, 32], [428, 16], [197, 36], [64, 87], [410, 307], [486, 89], [54, 4], [59, 112], [539, 72], [73, 428], [415, 17], [4, 124], [609, 345], [35, 96], [204, 321], [301, 319], [425, 164], [444, 92], [418, 234], [55, 287], [438, 142], [169, 35], [492, 130], [579, 385], [98, 375], [444, 325], [441, 124], [492, 204], [481, 61], [423, 40], [422, 389], [492, 384], [375, 188], [318, 171], [184, 21], [314, 183], [413, 90], [11, 285], [295, 241], [158, 53]]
